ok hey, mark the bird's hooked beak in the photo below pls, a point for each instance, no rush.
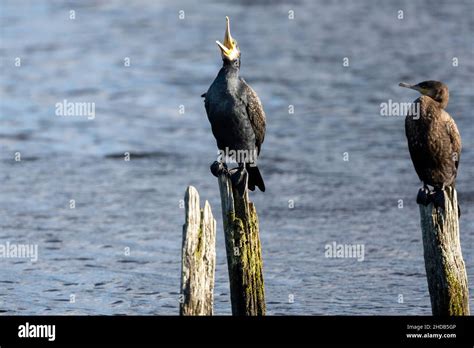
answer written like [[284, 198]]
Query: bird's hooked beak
[[229, 47], [415, 87]]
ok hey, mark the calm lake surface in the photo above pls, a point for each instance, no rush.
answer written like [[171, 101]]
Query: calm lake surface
[[118, 251]]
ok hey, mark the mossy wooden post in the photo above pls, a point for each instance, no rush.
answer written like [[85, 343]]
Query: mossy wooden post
[[244, 253], [198, 257], [445, 269]]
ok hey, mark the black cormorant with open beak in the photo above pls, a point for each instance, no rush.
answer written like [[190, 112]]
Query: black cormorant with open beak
[[237, 119], [433, 141]]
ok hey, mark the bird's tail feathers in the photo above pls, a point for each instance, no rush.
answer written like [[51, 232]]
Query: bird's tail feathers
[[255, 179]]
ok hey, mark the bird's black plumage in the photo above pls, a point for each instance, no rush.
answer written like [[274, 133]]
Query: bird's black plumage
[[236, 116], [433, 138]]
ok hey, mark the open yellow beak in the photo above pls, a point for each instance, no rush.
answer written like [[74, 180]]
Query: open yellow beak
[[228, 48]]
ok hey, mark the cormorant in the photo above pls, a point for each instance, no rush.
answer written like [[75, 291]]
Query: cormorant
[[433, 141], [237, 118]]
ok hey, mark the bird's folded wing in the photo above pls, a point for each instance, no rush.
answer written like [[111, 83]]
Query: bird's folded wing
[[455, 138], [255, 113]]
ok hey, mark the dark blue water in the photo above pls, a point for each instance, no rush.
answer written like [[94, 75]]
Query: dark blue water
[[135, 205]]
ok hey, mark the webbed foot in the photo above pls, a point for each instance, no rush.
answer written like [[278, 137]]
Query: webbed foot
[[218, 168], [423, 197], [239, 177], [438, 198]]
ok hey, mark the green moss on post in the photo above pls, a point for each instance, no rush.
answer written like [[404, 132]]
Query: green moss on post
[[445, 268], [244, 254]]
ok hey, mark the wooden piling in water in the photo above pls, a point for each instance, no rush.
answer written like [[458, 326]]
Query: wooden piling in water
[[244, 253], [445, 268], [198, 257]]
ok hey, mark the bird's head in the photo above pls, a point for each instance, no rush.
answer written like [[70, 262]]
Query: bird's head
[[434, 89], [229, 49]]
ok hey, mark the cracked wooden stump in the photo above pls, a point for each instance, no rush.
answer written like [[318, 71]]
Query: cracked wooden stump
[[244, 253], [445, 268], [198, 257]]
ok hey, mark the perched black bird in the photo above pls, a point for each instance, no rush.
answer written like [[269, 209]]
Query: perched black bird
[[237, 118], [433, 140]]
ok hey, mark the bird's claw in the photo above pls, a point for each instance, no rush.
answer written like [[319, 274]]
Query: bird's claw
[[423, 196], [239, 177], [438, 199], [218, 168]]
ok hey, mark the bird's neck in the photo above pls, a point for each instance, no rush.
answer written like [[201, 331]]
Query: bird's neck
[[231, 68], [442, 102], [430, 107], [442, 98]]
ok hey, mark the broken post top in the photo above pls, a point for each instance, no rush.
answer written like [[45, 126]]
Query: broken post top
[[198, 257]]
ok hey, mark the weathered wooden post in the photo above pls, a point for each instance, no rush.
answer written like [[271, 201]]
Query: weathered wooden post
[[445, 269], [198, 257], [244, 253]]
